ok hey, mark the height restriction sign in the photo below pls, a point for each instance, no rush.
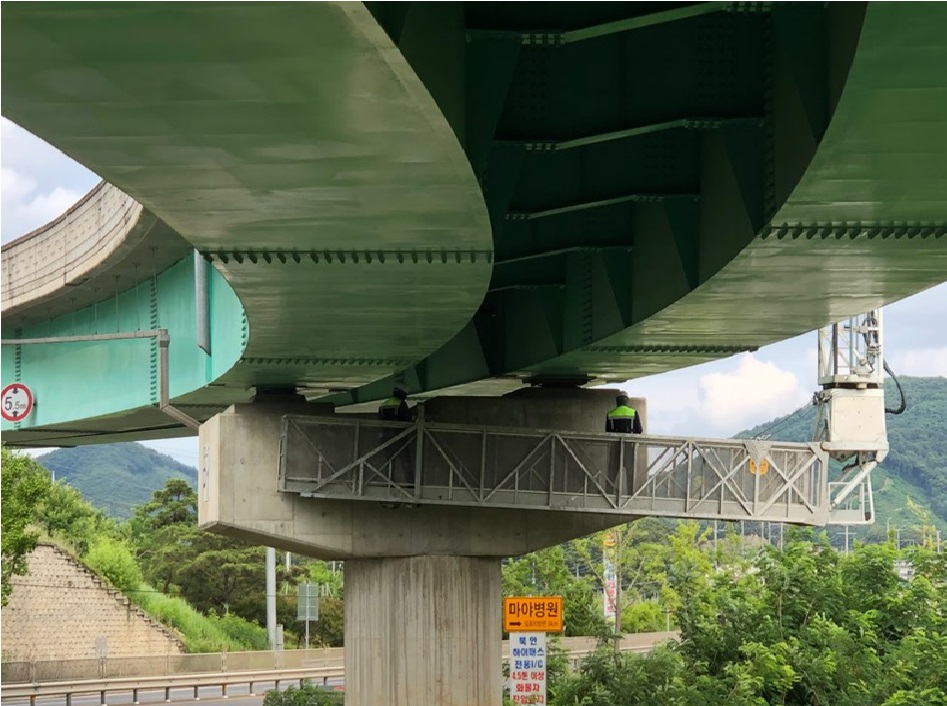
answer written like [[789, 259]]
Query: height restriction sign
[[16, 402]]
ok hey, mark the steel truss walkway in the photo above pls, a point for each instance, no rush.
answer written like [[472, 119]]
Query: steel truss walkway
[[449, 464]]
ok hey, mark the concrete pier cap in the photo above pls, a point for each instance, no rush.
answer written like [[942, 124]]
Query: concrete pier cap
[[238, 496], [422, 584]]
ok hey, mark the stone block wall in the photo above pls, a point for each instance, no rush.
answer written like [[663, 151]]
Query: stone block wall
[[60, 609]]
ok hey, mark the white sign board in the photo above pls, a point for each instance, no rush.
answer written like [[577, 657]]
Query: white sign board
[[307, 603], [528, 667], [16, 402]]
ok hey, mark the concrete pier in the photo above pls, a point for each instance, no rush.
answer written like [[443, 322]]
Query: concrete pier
[[422, 584], [423, 631]]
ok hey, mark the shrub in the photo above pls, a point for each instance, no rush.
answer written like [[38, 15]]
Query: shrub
[[307, 695], [200, 633], [113, 560], [247, 633]]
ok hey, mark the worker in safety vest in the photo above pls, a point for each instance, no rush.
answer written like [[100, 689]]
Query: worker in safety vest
[[623, 419], [395, 408], [401, 467]]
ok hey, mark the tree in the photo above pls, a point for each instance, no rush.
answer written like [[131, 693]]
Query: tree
[[23, 486], [640, 554], [174, 504], [328, 630], [213, 573], [68, 517], [113, 559]]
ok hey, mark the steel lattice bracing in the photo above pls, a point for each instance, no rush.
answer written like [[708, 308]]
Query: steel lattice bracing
[[449, 464]]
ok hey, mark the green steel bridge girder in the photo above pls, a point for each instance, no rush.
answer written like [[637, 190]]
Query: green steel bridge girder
[[760, 173], [270, 129], [663, 186]]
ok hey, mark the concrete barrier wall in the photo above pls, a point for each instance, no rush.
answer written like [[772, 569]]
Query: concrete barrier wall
[[329, 657], [60, 611], [68, 250]]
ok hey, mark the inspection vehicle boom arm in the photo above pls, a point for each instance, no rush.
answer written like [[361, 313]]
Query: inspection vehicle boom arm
[[850, 417]]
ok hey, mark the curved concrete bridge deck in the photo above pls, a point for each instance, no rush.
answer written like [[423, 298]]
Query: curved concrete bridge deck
[[460, 198]]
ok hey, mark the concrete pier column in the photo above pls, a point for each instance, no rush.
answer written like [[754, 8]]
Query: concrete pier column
[[423, 631]]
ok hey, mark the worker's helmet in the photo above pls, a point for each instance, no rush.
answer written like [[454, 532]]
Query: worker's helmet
[[622, 399], [400, 393]]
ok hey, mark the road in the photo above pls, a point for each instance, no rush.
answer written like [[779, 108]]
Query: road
[[237, 695]]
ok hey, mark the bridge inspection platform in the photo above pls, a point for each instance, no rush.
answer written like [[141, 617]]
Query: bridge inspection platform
[[421, 512]]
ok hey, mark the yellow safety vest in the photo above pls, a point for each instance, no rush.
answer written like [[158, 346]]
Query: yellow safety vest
[[622, 411]]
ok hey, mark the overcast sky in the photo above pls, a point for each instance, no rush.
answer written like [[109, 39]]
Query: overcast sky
[[712, 400]]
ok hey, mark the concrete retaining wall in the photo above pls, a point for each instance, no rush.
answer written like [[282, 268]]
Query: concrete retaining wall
[[60, 609]]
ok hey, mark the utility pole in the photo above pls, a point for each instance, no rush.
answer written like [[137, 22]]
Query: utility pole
[[271, 596]]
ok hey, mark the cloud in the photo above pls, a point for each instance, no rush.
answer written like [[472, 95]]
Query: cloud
[[672, 399], [25, 207], [922, 362], [754, 390], [38, 181], [718, 399]]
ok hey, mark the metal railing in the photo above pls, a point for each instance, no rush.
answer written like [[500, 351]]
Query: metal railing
[[51, 670], [448, 464], [165, 683]]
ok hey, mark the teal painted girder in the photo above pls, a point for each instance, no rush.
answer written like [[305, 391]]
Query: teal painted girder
[[72, 381], [275, 130]]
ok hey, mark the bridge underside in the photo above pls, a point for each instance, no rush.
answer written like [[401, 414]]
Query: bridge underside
[[464, 198]]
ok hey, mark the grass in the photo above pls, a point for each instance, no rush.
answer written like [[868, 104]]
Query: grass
[[200, 633]]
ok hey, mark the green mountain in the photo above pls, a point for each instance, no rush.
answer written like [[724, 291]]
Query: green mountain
[[115, 477], [916, 466]]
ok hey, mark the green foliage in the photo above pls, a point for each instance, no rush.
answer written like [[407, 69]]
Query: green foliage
[[200, 633], [115, 477], [24, 485], [610, 679], [644, 616], [306, 695], [797, 627], [641, 556], [113, 559], [244, 632], [328, 630], [321, 573], [69, 518], [211, 572]]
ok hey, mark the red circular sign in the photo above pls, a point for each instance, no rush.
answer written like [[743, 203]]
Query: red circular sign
[[16, 402]]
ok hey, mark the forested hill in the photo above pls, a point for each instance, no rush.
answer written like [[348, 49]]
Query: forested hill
[[916, 466], [115, 477]]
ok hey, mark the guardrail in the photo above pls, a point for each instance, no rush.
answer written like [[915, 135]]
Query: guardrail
[[577, 648], [165, 683]]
